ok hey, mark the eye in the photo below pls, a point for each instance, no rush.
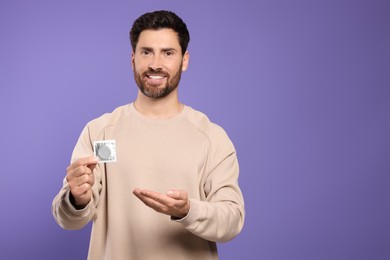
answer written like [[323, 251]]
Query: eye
[[145, 52], [169, 53]]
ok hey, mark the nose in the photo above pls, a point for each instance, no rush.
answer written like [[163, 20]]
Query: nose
[[155, 63]]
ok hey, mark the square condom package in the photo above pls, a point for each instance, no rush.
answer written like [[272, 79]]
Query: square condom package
[[105, 150]]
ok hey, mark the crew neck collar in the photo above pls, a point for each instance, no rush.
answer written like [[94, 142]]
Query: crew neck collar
[[140, 116]]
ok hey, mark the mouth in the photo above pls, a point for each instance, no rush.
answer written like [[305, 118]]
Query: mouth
[[155, 79]]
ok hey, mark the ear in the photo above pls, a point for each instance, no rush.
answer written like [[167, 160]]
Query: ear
[[186, 59], [132, 60]]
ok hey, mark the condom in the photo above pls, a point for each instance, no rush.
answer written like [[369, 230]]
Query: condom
[[105, 150]]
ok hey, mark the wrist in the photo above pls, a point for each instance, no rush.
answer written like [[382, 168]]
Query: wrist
[[74, 202], [186, 210]]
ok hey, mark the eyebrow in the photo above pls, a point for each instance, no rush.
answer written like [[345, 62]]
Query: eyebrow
[[163, 49], [168, 49], [146, 48]]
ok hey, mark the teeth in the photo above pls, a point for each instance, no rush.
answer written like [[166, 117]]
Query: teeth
[[155, 77]]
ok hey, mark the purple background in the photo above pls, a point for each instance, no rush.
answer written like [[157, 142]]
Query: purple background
[[301, 87]]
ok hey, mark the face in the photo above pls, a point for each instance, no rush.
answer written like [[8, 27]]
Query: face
[[157, 62]]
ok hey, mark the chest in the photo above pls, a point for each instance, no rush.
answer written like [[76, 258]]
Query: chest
[[157, 156]]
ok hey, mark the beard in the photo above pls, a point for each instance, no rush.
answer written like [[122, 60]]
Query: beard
[[156, 91]]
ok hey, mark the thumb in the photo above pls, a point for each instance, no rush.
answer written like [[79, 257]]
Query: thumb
[[93, 161], [177, 194]]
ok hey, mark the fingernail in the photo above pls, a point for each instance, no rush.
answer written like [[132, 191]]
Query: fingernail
[[170, 192]]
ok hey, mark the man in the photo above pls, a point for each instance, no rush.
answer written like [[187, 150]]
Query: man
[[173, 191]]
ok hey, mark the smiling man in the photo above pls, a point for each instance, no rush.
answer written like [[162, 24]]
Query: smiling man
[[158, 68], [172, 192]]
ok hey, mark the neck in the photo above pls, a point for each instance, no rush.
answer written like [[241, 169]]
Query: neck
[[166, 107]]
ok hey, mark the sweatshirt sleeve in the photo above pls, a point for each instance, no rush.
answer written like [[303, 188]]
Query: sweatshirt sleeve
[[64, 212], [220, 216]]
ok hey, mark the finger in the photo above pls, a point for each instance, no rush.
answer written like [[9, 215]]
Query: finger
[[87, 161], [92, 166], [163, 203], [150, 202], [177, 194], [76, 182], [86, 178], [136, 191], [79, 171], [158, 197], [81, 191], [152, 198], [144, 194], [91, 180]]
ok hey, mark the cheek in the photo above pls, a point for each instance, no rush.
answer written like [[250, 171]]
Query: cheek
[[139, 63], [174, 67], [137, 67]]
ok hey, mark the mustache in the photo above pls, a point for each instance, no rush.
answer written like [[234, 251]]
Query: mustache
[[157, 72]]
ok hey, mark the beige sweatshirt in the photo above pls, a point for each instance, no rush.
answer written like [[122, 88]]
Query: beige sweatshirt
[[186, 152]]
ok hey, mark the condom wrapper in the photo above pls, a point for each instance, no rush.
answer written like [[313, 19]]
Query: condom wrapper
[[105, 150]]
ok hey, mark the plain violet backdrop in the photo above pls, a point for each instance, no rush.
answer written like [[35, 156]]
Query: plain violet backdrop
[[301, 87]]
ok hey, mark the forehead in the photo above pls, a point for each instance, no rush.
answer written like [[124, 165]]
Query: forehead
[[162, 38]]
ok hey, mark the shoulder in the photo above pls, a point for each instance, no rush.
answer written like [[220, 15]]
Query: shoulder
[[214, 132], [98, 125]]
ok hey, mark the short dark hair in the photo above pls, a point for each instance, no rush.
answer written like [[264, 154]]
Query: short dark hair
[[159, 20]]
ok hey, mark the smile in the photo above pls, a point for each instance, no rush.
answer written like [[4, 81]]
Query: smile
[[155, 76], [155, 79]]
